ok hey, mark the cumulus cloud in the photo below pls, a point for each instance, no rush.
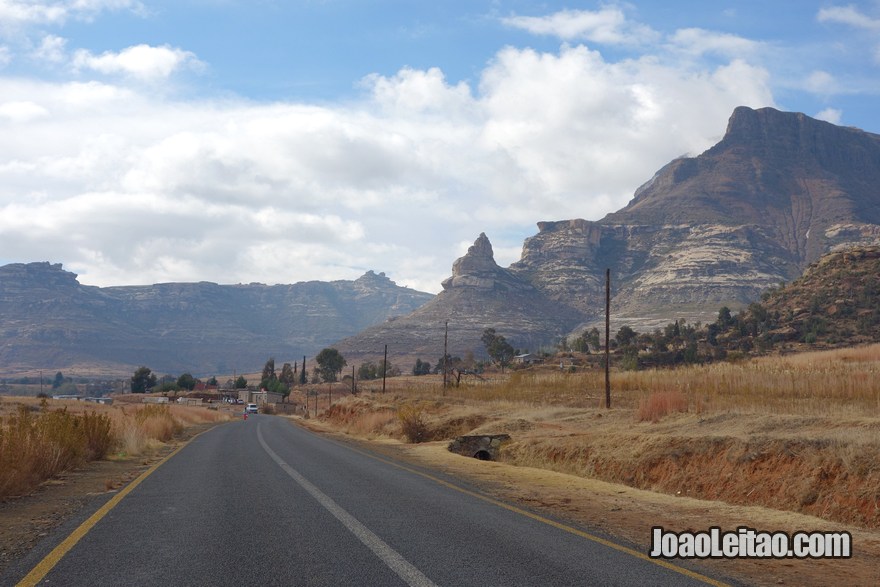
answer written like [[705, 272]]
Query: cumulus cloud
[[52, 49], [140, 61], [822, 82], [832, 115], [127, 187], [608, 25]]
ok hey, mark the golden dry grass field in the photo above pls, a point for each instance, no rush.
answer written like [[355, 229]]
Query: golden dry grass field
[[799, 433], [777, 443]]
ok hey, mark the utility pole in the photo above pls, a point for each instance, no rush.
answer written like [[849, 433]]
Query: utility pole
[[353, 386], [607, 338], [445, 354], [384, 368]]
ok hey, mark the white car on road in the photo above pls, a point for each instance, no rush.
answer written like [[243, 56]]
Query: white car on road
[[251, 409]]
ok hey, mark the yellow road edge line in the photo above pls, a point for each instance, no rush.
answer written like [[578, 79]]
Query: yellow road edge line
[[39, 572], [640, 555]]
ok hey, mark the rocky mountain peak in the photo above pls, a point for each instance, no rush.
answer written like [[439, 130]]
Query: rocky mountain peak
[[373, 279], [477, 268], [42, 275]]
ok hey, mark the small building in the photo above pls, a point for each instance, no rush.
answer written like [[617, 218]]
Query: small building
[[260, 397], [526, 359]]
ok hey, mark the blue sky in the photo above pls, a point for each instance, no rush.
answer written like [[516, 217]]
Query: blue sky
[[273, 141]]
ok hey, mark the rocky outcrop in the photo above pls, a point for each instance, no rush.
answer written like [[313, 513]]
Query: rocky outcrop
[[48, 320], [776, 193], [478, 295]]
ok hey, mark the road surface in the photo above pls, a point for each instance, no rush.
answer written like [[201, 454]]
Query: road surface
[[264, 502]]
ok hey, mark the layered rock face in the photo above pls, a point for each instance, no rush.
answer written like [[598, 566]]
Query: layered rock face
[[479, 294], [776, 193], [48, 320], [780, 190]]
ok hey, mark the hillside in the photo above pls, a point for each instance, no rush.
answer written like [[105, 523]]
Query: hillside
[[479, 294], [48, 320], [777, 192], [835, 303]]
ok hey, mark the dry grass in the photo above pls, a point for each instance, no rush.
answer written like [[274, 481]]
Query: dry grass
[[798, 433], [660, 404], [41, 438], [35, 446]]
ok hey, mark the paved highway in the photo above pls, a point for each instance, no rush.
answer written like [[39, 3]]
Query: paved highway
[[264, 502]]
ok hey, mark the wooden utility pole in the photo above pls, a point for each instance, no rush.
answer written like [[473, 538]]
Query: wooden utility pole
[[608, 338], [384, 368], [353, 386], [445, 354]]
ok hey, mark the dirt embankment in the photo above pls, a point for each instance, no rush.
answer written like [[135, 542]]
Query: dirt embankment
[[687, 472], [820, 467]]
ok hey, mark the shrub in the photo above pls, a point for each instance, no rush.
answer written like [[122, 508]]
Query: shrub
[[412, 424]]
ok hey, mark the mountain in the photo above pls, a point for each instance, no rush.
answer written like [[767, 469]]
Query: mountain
[[777, 192], [479, 294], [48, 320]]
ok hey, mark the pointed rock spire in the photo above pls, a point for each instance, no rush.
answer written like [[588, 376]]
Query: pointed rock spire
[[477, 268]]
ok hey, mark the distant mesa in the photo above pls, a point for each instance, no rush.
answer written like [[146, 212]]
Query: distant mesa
[[778, 191]]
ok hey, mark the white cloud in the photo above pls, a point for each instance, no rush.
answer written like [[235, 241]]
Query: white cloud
[[140, 61], [848, 15], [52, 49], [22, 111], [696, 41], [15, 13], [127, 187], [832, 115], [608, 25], [822, 82]]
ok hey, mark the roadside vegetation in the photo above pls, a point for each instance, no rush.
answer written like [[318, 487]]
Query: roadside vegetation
[[796, 433], [40, 438]]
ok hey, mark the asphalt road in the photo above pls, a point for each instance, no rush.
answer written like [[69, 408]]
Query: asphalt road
[[263, 502]]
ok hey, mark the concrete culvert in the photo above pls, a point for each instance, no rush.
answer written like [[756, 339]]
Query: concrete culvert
[[485, 447]]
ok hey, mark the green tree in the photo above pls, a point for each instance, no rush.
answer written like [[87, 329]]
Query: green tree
[[330, 362], [287, 377], [59, 379], [186, 381], [367, 371], [724, 318], [268, 375], [303, 376], [421, 367], [212, 381], [625, 336], [497, 347], [142, 380], [240, 383]]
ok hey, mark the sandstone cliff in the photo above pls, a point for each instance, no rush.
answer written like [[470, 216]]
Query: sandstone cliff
[[478, 295], [776, 193], [49, 320]]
